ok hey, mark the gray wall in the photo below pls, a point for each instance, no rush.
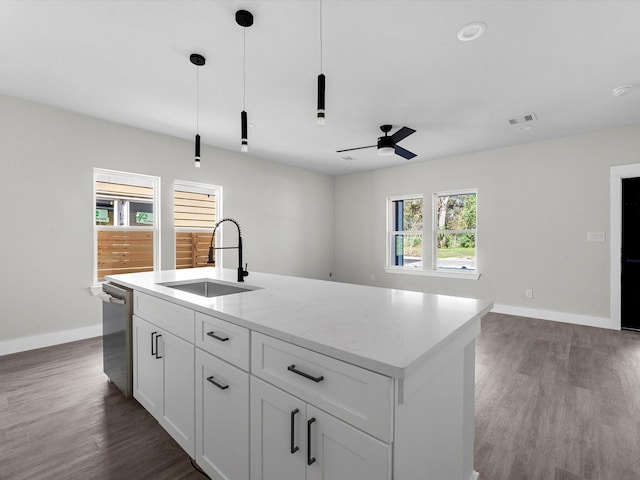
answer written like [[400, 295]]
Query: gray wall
[[536, 203], [46, 192]]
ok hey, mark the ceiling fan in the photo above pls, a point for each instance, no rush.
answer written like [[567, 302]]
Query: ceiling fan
[[387, 145]]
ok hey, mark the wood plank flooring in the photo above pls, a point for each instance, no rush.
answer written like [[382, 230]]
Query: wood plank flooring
[[556, 401], [553, 402], [60, 419]]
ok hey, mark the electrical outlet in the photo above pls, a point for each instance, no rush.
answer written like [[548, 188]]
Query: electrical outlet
[[373, 277], [528, 293]]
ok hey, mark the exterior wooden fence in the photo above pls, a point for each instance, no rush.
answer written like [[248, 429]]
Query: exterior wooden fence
[[124, 252], [192, 249]]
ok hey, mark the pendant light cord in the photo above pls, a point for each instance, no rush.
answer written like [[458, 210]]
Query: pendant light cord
[[320, 36], [244, 69], [197, 100]]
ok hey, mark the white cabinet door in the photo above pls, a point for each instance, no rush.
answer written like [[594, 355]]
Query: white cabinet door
[[278, 435], [338, 451], [178, 416], [148, 383], [222, 418], [163, 380]]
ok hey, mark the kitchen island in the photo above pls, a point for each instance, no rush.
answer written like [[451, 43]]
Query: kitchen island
[[303, 379]]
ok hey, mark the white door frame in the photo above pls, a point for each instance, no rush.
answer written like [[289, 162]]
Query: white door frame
[[617, 174]]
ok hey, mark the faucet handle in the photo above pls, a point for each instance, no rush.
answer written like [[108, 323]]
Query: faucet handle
[[245, 272]]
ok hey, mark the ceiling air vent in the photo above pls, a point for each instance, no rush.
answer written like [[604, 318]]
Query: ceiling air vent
[[530, 117]]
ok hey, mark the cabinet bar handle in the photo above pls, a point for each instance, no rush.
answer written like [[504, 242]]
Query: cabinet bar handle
[[294, 449], [213, 334], [292, 368], [220, 386], [157, 351], [152, 335], [310, 459]]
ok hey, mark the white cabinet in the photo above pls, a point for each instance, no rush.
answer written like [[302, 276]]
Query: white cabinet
[[222, 418], [148, 366], [250, 406], [163, 380], [292, 439]]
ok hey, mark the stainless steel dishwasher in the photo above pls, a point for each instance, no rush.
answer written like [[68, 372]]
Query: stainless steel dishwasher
[[117, 350]]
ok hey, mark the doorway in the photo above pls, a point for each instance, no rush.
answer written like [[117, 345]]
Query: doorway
[[630, 255], [618, 174]]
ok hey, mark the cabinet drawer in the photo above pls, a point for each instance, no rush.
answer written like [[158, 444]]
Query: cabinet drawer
[[358, 396], [171, 317], [224, 339]]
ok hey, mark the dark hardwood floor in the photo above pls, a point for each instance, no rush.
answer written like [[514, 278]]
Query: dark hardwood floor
[[553, 402], [556, 401], [60, 419]]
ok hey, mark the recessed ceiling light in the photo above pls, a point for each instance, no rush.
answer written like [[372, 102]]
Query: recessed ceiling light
[[472, 31], [621, 90], [347, 158], [524, 128]]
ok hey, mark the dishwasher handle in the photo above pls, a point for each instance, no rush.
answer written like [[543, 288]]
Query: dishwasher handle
[[105, 297]]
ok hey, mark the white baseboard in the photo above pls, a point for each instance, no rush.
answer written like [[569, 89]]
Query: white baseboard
[[475, 475], [49, 339], [575, 318]]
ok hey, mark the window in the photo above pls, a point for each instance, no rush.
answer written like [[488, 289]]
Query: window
[[197, 207], [405, 232], [450, 249], [126, 223], [455, 231]]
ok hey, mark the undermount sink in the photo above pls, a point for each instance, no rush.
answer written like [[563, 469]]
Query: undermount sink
[[209, 288]]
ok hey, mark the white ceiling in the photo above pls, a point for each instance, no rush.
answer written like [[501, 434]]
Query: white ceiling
[[396, 62]]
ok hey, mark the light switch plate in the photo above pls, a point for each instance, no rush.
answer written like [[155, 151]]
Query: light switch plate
[[595, 237]]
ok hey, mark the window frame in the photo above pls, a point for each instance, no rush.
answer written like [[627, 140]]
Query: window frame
[[428, 264], [390, 243], [435, 232], [198, 187], [128, 178]]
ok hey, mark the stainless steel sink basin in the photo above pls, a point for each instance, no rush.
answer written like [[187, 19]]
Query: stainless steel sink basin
[[209, 288]]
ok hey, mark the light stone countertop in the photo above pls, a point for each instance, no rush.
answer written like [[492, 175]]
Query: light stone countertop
[[388, 331]]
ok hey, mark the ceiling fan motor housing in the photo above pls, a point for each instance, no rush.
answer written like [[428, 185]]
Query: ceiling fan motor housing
[[386, 145]]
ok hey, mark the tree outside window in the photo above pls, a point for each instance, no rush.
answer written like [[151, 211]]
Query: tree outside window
[[455, 232]]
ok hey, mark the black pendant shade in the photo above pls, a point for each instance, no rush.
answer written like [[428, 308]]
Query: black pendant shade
[[321, 86], [243, 122], [197, 151]]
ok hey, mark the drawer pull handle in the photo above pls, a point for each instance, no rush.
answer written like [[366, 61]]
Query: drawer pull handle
[[294, 449], [213, 334], [156, 353], [310, 459], [292, 368], [220, 386], [152, 344]]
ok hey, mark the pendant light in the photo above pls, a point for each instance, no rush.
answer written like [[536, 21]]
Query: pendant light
[[244, 19], [321, 80], [198, 60]]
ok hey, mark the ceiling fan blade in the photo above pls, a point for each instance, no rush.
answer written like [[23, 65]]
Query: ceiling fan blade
[[401, 134], [404, 153], [357, 148]]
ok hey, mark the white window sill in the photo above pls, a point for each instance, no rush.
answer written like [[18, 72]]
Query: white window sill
[[434, 273]]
